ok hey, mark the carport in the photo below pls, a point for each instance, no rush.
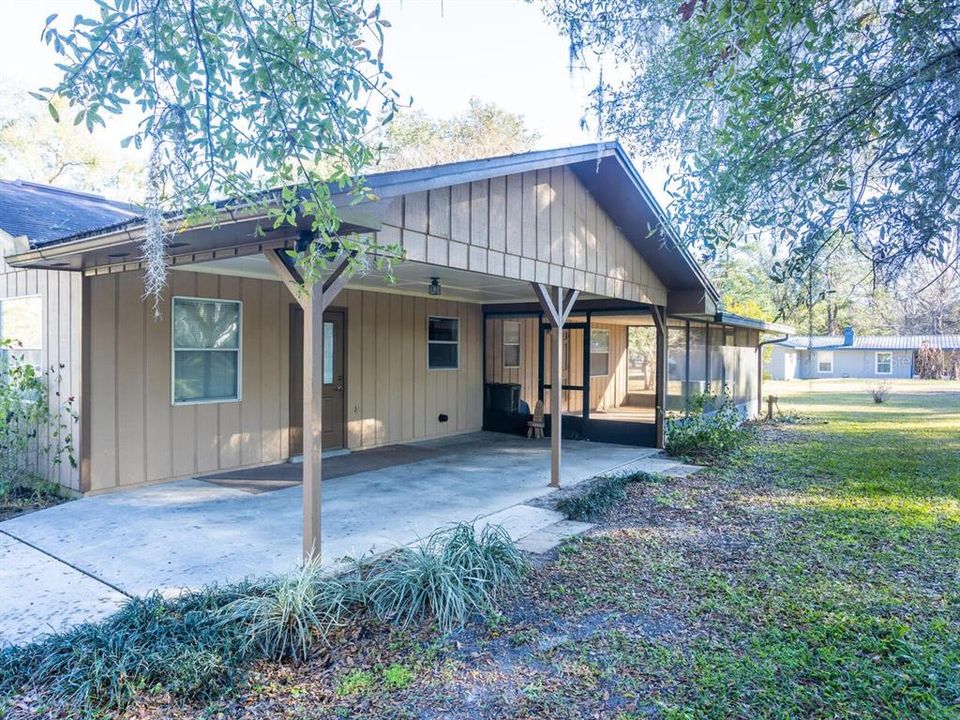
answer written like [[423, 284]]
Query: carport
[[192, 533]]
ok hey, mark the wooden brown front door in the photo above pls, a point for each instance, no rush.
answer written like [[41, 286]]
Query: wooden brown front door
[[334, 379]]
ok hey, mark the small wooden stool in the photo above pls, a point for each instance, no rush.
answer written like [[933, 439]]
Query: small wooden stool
[[535, 426]]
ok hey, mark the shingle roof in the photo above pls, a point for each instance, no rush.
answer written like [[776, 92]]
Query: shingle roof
[[873, 342], [43, 213]]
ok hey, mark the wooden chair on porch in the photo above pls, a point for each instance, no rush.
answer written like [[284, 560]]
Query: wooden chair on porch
[[535, 426]]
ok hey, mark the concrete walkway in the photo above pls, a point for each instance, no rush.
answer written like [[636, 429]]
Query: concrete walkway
[[78, 561]]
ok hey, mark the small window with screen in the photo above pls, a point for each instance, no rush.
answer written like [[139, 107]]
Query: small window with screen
[[511, 343], [443, 343], [599, 353]]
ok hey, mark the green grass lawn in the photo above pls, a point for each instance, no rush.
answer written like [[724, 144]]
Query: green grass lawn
[[815, 575]]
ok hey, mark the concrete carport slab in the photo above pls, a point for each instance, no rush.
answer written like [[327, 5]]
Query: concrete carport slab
[[192, 533]]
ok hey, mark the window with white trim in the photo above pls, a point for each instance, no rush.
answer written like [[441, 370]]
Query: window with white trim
[[511, 343], [443, 343], [599, 353], [206, 350], [884, 363], [21, 322], [824, 361]]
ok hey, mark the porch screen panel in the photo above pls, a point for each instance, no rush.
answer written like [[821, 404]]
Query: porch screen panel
[[742, 388], [676, 364], [731, 363], [206, 350], [572, 374], [697, 380], [716, 359]]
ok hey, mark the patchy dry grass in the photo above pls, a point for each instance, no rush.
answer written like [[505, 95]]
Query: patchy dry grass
[[815, 575]]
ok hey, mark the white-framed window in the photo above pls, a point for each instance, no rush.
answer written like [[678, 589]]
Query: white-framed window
[[443, 343], [511, 343], [21, 322], [599, 353], [824, 361], [206, 350], [884, 363]]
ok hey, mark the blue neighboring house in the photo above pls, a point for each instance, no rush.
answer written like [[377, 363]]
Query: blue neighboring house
[[852, 356]]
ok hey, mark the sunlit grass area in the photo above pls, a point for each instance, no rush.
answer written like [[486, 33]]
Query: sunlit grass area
[[814, 575]]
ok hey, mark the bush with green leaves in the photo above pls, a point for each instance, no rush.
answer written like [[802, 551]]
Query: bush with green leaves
[[713, 427], [451, 575], [34, 439]]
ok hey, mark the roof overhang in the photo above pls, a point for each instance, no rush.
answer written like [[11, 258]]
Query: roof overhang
[[232, 228], [752, 323], [725, 318], [604, 169]]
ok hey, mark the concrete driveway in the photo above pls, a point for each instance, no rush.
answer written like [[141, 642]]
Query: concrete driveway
[[80, 560]]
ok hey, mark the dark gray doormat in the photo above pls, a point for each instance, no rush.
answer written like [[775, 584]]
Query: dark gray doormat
[[283, 475]]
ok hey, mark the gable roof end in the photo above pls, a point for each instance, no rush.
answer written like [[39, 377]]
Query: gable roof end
[[604, 169]]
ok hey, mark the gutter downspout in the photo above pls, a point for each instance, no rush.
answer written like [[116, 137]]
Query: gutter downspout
[[760, 346]]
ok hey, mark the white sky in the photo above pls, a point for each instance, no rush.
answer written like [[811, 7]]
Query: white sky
[[441, 52]]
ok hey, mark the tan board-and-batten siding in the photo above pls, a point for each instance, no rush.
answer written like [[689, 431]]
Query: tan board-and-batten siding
[[391, 395], [541, 226], [61, 308], [138, 436]]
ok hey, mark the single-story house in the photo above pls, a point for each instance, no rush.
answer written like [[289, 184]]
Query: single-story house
[[853, 356], [501, 257]]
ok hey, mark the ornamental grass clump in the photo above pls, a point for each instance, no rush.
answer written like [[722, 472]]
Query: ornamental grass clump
[[601, 494], [448, 577], [287, 616]]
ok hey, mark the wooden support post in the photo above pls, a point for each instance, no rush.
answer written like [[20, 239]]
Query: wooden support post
[[312, 424], [556, 306], [760, 383], [314, 300], [660, 320]]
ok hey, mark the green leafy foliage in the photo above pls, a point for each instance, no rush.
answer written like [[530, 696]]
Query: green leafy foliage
[[397, 677], [34, 437], [452, 575], [484, 130], [354, 682], [265, 103], [712, 428], [795, 120]]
